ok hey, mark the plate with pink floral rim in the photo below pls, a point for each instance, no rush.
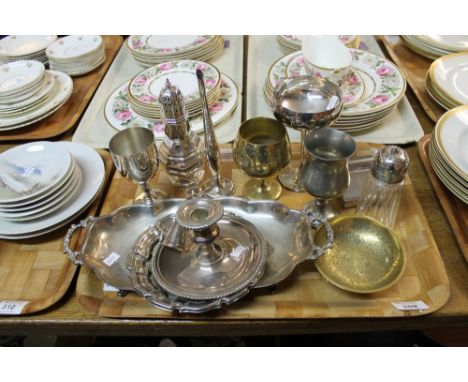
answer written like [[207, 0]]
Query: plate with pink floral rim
[[383, 77], [120, 115], [146, 86], [384, 84], [167, 45], [352, 88]]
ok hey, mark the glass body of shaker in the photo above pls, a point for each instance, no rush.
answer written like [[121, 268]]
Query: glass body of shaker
[[380, 200]]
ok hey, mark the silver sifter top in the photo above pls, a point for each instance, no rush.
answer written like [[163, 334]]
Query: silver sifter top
[[390, 164], [174, 114]]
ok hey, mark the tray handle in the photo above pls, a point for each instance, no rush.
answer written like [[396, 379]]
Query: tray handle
[[75, 256], [316, 220]]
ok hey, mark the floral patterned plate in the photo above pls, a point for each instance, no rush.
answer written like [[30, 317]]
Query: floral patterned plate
[[146, 86], [353, 88], [120, 115], [387, 81], [167, 45], [384, 84]]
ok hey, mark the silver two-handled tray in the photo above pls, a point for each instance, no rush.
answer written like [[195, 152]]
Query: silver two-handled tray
[[110, 240]]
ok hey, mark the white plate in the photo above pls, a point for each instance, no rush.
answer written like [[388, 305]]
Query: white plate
[[33, 168], [55, 101], [47, 197], [296, 40], [16, 45], [450, 74], [445, 175], [80, 69], [120, 115], [93, 172], [447, 42], [63, 198], [71, 48], [23, 97], [79, 63], [49, 229], [20, 75], [451, 137], [438, 97], [449, 174], [43, 91]]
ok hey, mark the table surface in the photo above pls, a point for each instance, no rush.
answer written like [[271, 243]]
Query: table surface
[[67, 317]]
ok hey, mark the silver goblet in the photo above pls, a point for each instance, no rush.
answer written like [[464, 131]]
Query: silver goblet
[[135, 156], [326, 173], [304, 103]]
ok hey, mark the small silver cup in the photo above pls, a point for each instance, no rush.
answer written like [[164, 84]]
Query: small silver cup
[[326, 174], [135, 156]]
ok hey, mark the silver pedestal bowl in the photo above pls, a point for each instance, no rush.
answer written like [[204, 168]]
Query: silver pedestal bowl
[[304, 103]]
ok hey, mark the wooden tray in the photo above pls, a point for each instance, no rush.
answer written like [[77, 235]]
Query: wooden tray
[[36, 270], [415, 68], [67, 116], [305, 294], [455, 210]]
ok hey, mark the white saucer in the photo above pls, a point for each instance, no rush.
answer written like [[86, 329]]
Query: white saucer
[[53, 102], [62, 199], [36, 167], [93, 172]]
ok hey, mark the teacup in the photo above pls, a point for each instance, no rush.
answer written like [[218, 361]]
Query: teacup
[[327, 57]]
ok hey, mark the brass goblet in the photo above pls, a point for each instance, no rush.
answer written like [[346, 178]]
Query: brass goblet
[[135, 156], [262, 149]]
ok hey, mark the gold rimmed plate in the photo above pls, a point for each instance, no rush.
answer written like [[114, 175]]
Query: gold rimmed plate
[[366, 256], [451, 139]]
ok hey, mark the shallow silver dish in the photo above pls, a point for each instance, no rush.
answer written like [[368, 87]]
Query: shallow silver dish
[[286, 231], [139, 265], [109, 239], [235, 261]]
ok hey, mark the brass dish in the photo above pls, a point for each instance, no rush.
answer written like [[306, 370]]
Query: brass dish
[[366, 256]]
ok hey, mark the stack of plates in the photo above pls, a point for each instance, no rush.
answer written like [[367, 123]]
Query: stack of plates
[[149, 50], [45, 185], [447, 80], [448, 151], [14, 48], [29, 93], [120, 115], [434, 46], [293, 43], [370, 94], [76, 55], [144, 88]]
